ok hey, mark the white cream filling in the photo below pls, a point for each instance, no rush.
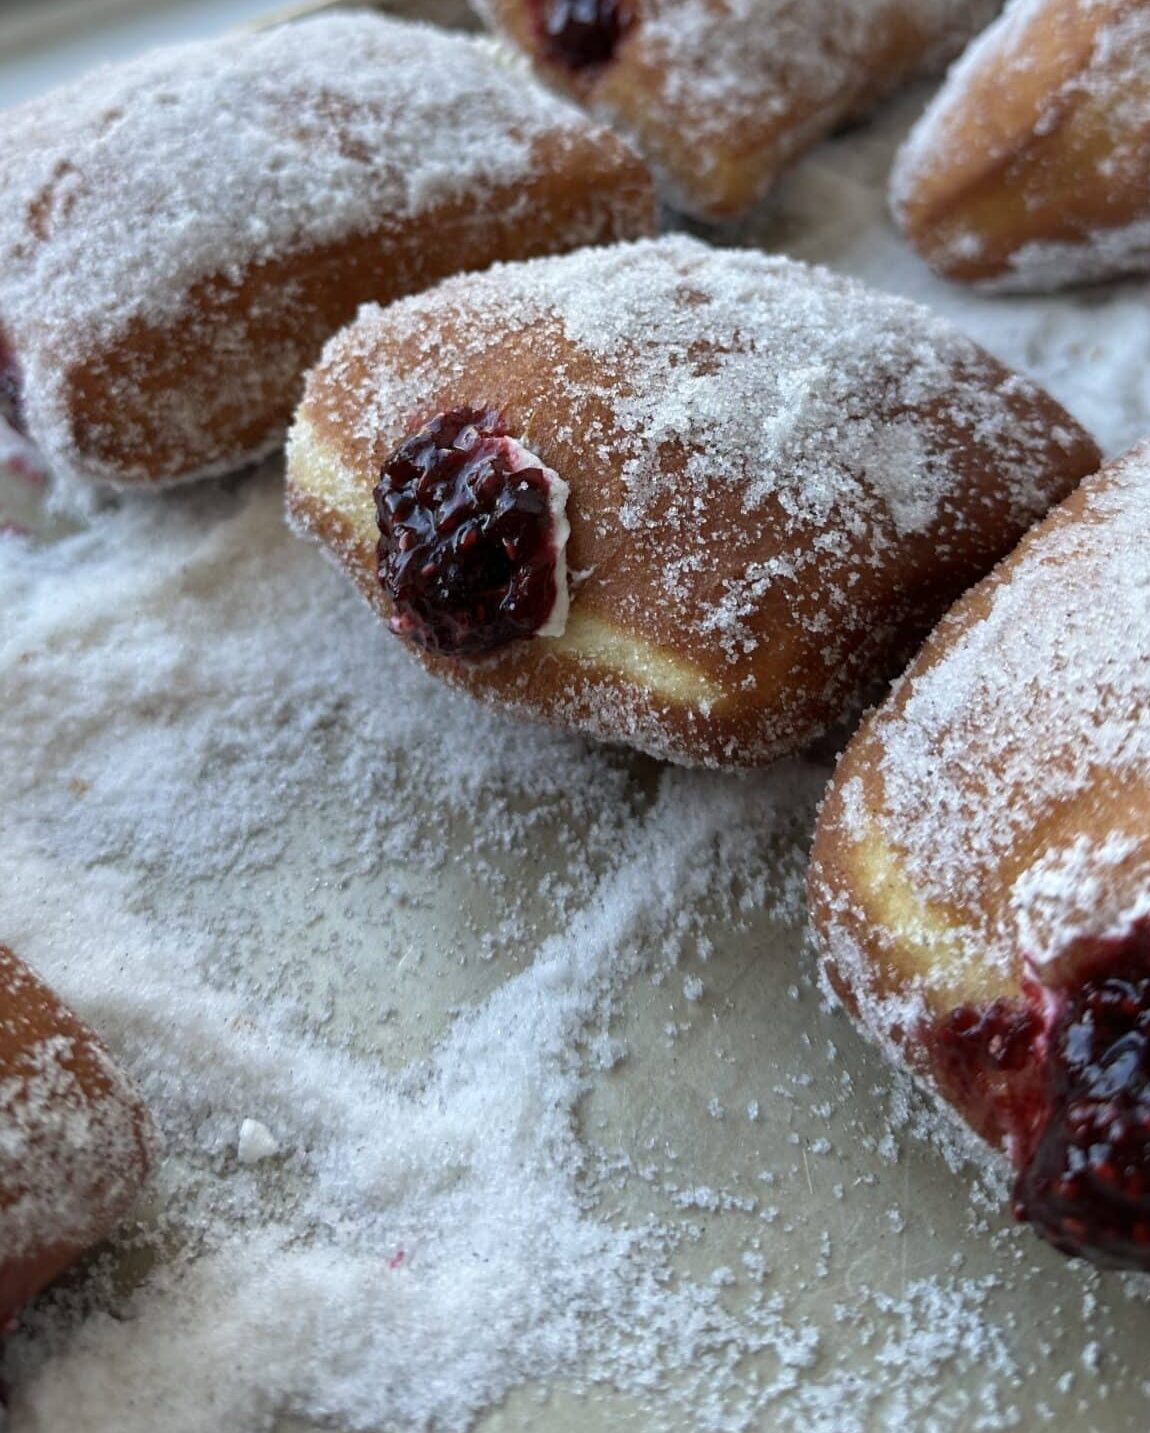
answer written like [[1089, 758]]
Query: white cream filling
[[558, 492]]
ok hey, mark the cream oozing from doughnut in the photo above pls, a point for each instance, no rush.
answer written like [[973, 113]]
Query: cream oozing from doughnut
[[776, 477], [180, 234]]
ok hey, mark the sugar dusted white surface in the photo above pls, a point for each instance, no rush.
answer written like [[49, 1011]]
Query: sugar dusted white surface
[[514, 1140], [378, 926]]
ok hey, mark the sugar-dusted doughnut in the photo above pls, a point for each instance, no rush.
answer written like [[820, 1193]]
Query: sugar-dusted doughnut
[[774, 480], [723, 96], [1029, 169], [179, 235], [981, 872], [76, 1143]]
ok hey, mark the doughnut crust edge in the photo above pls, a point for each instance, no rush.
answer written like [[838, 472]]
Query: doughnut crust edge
[[78, 1143], [1028, 846], [182, 233]]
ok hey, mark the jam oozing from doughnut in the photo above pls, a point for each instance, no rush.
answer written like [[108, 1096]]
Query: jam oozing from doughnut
[[11, 387], [986, 1059], [582, 34], [1085, 1183], [468, 546], [1061, 1075]]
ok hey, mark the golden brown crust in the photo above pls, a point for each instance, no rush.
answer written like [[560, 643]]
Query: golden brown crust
[[163, 315], [1033, 840], [80, 1142], [1029, 166], [721, 103], [639, 663]]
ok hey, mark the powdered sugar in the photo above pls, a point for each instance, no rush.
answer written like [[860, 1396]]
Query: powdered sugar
[[720, 63], [298, 865], [715, 89], [795, 403], [427, 111]]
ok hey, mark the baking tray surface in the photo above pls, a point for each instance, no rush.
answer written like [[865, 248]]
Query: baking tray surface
[[563, 1134]]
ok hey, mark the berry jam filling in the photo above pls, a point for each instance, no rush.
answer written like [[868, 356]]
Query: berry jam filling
[[471, 537], [1085, 1180], [11, 387], [582, 34], [986, 1065], [1062, 1077]]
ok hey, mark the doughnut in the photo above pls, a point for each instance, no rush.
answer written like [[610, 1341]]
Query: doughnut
[[684, 498], [179, 235], [980, 881], [76, 1143], [1029, 169], [721, 96]]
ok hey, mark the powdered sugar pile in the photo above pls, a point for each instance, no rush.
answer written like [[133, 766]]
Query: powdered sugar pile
[[227, 793]]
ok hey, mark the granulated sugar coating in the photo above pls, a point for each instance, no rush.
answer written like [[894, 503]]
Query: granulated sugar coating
[[1104, 79], [722, 96], [529, 1022], [292, 880], [145, 206]]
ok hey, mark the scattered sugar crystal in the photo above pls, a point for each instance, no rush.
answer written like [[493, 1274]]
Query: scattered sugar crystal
[[255, 1143], [692, 988]]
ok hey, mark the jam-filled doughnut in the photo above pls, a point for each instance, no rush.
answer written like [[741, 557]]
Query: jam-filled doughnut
[[1029, 171], [179, 235], [981, 873], [722, 96], [76, 1144], [754, 483]]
